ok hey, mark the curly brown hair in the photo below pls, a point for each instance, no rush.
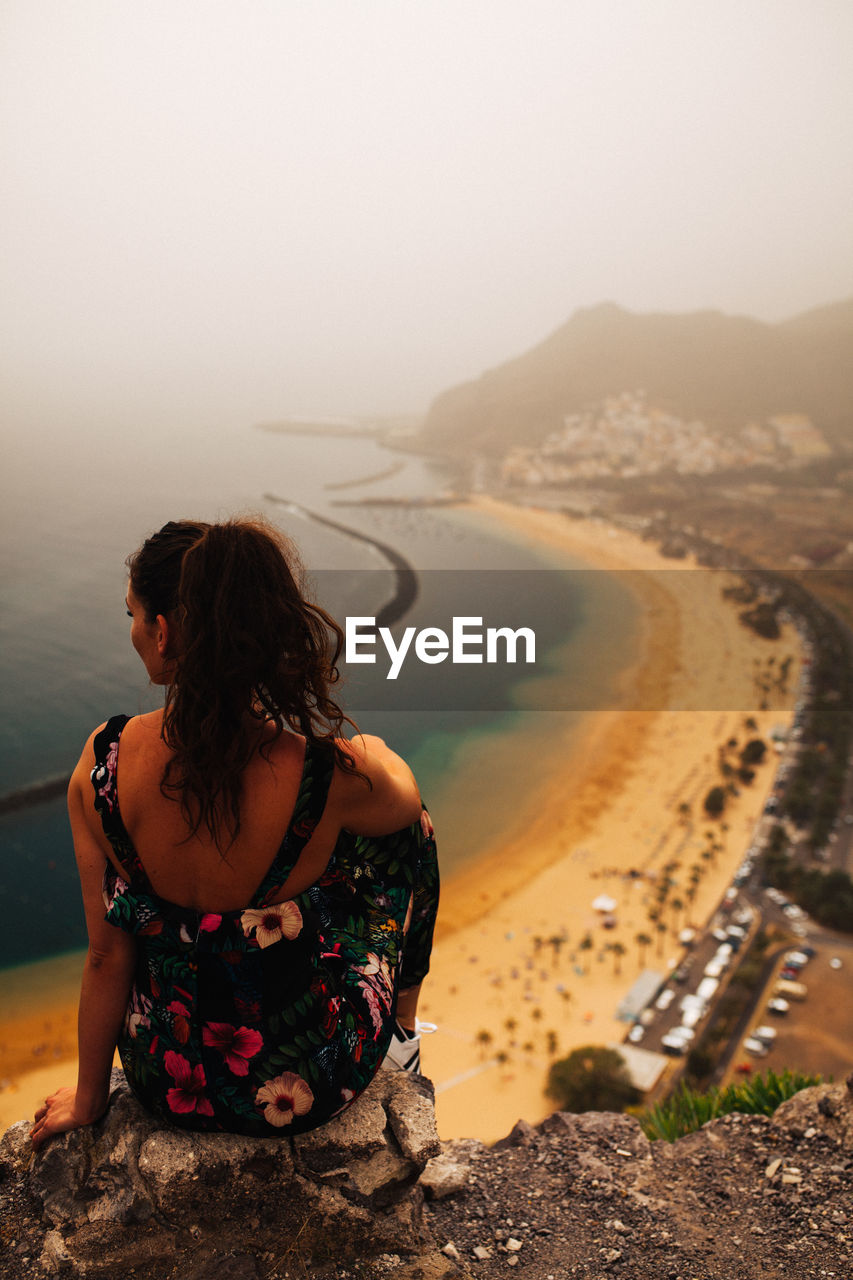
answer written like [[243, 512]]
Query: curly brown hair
[[250, 650]]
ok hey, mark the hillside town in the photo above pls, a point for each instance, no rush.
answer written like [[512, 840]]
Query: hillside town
[[627, 436]]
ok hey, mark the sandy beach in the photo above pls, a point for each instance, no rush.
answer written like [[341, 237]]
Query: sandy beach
[[524, 968]]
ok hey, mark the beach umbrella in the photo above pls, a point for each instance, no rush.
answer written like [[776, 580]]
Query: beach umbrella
[[605, 904]]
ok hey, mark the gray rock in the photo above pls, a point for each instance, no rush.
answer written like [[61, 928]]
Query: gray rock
[[825, 1108], [131, 1192], [442, 1177]]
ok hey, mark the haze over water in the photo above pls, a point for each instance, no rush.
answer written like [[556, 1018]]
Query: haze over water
[[217, 215]]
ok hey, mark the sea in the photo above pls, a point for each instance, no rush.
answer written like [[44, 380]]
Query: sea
[[479, 737]]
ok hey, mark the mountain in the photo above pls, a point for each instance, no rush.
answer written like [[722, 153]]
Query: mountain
[[725, 370]]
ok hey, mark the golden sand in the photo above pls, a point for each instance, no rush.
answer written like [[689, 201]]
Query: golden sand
[[511, 986], [524, 969]]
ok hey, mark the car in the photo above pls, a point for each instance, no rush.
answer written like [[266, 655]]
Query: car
[[778, 1006], [790, 974], [686, 937], [681, 974], [796, 959], [684, 1032], [665, 998], [755, 1047], [690, 1017], [735, 933], [765, 1034], [714, 968], [673, 1044], [636, 1033], [835, 962]]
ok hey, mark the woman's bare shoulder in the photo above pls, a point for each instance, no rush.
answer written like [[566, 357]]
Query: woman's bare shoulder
[[382, 795]]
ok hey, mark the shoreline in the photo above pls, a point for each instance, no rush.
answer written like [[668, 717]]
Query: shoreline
[[525, 971], [508, 940]]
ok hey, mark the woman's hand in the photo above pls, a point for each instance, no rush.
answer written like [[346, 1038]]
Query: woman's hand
[[58, 1114]]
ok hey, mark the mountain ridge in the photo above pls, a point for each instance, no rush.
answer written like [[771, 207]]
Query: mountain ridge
[[725, 370]]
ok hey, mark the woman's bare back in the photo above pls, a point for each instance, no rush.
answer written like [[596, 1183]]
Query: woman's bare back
[[189, 870]]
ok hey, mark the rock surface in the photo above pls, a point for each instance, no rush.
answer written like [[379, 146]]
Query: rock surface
[[129, 1196], [584, 1196]]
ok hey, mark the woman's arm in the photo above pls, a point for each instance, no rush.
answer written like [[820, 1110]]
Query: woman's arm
[[107, 975]]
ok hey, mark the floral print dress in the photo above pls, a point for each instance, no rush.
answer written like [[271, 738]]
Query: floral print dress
[[271, 1019]]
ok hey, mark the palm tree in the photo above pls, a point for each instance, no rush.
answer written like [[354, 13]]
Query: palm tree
[[586, 944], [484, 1039], [642, 940], [661, 932], [551, 1042], [617, 950], [677, 906]]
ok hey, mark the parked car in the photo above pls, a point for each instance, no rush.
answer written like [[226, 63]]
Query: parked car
[[766, 1035], [673, 1044], [755, 1047], [791, 990], [778, 1006], [636, 1033], [686, 1033], [665, 998]]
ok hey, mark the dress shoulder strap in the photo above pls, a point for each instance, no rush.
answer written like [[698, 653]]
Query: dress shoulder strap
[[104, 781]]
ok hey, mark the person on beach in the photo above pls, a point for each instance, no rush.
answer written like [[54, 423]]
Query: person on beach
[[270, 886]]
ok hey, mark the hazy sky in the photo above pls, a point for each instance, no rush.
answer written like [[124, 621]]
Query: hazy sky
[[241, 209]]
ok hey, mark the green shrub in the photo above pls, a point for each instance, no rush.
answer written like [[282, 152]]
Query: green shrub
[[687, 1110]]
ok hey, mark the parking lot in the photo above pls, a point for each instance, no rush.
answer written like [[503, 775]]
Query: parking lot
[[816, 1033]]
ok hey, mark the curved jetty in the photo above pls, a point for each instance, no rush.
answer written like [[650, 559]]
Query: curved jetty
[[405, 579], [35, 793]]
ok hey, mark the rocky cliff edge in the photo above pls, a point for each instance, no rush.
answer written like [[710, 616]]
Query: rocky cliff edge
[[374, 1195]]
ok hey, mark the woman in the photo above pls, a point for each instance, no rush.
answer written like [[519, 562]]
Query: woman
[[261, 874]]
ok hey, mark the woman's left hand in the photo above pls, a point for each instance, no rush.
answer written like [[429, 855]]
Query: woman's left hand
[[58, 1114]]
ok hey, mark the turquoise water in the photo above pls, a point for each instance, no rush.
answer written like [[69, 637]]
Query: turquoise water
[[73, 511]]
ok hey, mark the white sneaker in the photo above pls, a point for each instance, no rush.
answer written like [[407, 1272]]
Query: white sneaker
[[404, 1051]]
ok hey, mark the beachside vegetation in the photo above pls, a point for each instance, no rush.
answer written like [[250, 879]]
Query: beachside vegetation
[[827, 896], [715, 802], [687, 1109], [591, 1078]]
